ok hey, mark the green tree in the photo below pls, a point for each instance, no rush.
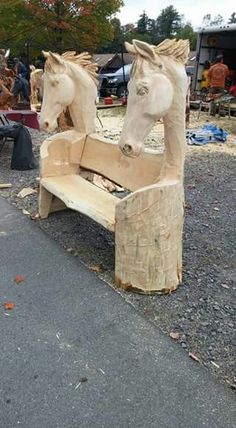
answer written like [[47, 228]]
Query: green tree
[[232, 19], [206, 20], [187, 32], [217, 20], [168, 23], [57, 25], [115, 44], [142, 24], [209, 21]]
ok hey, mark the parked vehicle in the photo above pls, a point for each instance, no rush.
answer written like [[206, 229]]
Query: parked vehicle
[[115, 83]]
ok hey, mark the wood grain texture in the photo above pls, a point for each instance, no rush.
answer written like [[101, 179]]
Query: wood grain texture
[[148, 236], [80, 195], [104, 157]]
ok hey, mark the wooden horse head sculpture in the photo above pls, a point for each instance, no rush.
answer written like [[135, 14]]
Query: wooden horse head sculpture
[[69, 80], [157, 89]]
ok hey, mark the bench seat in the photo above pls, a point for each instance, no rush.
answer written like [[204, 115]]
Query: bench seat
[[83, 196]]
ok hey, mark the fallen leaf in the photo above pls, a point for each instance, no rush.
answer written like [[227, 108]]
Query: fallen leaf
[[5, 185], [8, 305], [96, 268], [174, 335], [26, 191], [194, 357], [19, 278]]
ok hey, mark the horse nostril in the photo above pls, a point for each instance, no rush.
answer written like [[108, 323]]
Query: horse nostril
[[127, 149], [46, 124]]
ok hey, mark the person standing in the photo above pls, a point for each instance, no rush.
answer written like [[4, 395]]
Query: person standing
[[205, 82], [217, 75]]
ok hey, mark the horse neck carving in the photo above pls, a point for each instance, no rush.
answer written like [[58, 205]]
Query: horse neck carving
[[70, 80], [157, 89]]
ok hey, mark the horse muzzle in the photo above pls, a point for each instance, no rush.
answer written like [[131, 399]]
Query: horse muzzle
[[130, 149], [46, 125]]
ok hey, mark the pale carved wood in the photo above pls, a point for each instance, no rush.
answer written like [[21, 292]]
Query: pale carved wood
[[81, 195], [148, 223], [148, 236], [104, 157]]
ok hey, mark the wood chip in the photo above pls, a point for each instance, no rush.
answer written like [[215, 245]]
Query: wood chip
[[95, 268], [35, 216], [225, 286], [194, 357], [26, 191], [25, 212], [174, 335], [5, 185]]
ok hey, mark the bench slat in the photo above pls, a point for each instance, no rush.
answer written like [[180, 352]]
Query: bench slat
[[83, 196]]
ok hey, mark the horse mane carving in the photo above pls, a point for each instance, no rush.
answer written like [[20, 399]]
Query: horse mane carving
[[84, 60], [179, 49]]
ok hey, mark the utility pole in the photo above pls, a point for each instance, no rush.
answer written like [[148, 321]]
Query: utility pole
[[57, 28], [122, 56]]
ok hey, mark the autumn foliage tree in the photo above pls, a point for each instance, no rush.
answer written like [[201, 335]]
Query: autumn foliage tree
[[57, 25]]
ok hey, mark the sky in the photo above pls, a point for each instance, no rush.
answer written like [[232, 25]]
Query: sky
[[193, 10]]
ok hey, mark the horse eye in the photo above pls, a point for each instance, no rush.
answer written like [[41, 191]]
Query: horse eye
[[160, 66], [142, 91]]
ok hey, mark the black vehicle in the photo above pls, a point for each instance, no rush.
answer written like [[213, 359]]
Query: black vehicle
[[115, 83]]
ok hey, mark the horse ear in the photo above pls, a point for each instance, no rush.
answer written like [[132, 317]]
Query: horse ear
[[130, 48], [45, 54], [55, 57], [144, 49]]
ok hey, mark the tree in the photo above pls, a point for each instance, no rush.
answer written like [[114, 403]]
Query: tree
[[217, 20], [115, 44], [187, 32], [232, 19], [58, 25], [206, 20], [142, 24], [209, 21], [168, 23]]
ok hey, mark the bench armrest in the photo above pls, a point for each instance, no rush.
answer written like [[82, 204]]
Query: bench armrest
[[60, 154]]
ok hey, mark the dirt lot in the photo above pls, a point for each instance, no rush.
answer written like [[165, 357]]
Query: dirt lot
[[203, 309]]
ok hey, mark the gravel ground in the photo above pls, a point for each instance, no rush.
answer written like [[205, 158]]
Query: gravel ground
[[202, 311]]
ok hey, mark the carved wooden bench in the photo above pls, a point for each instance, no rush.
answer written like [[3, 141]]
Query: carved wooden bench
[[147, 223]]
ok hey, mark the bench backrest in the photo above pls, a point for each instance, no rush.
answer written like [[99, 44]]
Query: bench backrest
[[105, 158]]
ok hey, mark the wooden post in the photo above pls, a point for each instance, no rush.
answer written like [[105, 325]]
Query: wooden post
[[148, 231], [45, 201]]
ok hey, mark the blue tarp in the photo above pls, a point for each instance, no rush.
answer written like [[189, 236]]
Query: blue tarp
[[209, 133]]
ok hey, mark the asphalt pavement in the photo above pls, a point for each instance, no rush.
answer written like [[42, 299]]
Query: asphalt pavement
[[74, 354]]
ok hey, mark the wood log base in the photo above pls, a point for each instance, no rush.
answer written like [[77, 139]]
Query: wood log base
[[148, 235]]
